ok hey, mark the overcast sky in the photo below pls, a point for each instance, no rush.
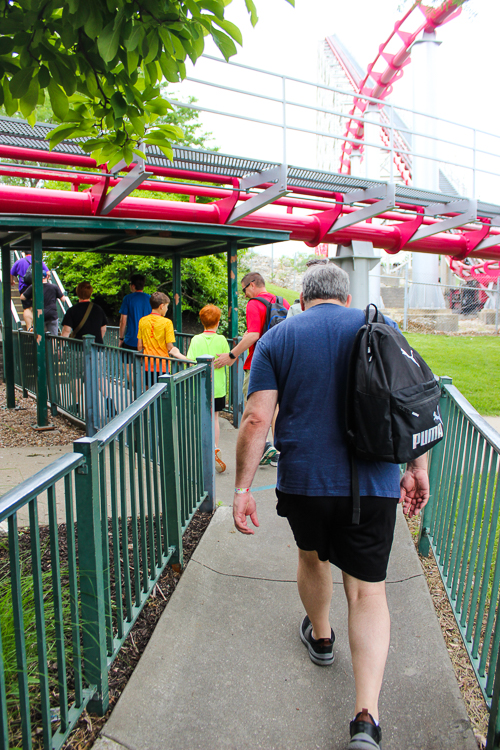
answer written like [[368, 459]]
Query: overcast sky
[[286, 40]]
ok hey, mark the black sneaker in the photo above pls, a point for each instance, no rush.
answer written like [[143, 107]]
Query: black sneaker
[[321, 650], [365, 734]]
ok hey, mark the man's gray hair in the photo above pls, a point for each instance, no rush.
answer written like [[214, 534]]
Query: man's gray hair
[[325, 282]]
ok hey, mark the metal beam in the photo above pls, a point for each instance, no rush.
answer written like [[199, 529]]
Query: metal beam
[[467, 212], [493, 239], [127, 184], [177, 293], [270, 194], [387, 195], [8, 341], [39, 330]]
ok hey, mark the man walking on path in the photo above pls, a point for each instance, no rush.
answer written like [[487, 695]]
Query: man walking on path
[[20, 268], [51, 293], [314, 493], [134, 307], [85, 318], [252, 285]]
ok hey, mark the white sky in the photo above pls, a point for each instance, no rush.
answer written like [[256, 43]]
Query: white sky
[[286, 40]]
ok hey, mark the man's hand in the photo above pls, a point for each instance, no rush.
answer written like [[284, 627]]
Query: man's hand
[[415, 487], [223, 360], [243, 506]]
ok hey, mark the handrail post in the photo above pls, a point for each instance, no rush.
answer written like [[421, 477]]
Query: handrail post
[[170, 468], [51, 375], [8, 342], [436, 460], [39, 329], [91, 574], [89, 375], [237, 389], [208, 433]]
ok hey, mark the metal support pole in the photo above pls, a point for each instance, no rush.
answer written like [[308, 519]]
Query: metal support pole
[[88, 515], [8, 341], [405, 302], [232, 290], [39, 329], [89, 375], [177, 293], [208, 433], [497, 304], [170, 471]]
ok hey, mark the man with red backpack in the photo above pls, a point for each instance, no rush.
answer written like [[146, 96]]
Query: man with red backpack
[[264, 310]]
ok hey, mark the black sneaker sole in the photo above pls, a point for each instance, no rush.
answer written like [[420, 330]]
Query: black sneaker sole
[[322, 660]]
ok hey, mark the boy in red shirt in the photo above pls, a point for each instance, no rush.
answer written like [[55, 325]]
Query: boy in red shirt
[[252, 285]]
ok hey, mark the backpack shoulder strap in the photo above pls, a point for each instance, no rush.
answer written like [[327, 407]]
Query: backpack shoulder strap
[[268, 304], [83, 321]]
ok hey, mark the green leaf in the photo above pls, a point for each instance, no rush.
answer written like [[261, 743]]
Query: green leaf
[[2, 97], [166, 39], [169, 68], [138, 125], [224, 43], [60, 134], [153, 42], [43, 77], [20, 82], [58, 100], [135, 38], [93, 25], [6, 45], [28, 102], [252, 10], [132, 61], [231, 29], [119, 104], [193, 7], [9, 103], [32, 118], [215, 7], [179, 51], [108, 42]]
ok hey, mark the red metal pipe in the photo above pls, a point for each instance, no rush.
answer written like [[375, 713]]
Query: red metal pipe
[[21, 200]]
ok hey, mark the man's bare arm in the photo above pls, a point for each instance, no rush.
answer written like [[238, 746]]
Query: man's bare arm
[[103, 332], [251, 440], [415, 486], [174, 352], [249, 338], [66, 330], [140, 346], [123, 327]]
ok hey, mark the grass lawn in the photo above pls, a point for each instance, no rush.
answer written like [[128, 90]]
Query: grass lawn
[[473, 363], [289, 294]]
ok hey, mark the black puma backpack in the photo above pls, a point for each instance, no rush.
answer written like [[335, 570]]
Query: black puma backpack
[[392, 407]]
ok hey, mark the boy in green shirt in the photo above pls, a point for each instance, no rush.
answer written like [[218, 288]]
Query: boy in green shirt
[[210, 342]]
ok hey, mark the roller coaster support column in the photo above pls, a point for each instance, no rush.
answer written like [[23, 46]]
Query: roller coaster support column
[[8, 342], [357, 259], [425, 268], [39, 331], [176, 293], [373, 171]]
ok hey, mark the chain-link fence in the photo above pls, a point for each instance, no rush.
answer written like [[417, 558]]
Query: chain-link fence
[[429, 308]]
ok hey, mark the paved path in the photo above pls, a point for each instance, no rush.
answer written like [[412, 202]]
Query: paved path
[[225, 669]]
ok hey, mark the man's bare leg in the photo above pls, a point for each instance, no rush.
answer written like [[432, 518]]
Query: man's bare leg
[[314, 580], [369, 635], [28, 317]]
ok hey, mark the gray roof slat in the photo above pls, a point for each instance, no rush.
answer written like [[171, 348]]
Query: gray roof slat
[[14, 132]]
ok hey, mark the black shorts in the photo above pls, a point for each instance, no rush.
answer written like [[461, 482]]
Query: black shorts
[[26, 303], [325, 524], [219, 403], [129, 347]]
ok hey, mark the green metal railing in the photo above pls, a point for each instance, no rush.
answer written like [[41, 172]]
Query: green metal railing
[[126, 495], [461, 523]]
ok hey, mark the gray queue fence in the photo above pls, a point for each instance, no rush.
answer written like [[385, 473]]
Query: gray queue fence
[[88, 538], [92, 383]]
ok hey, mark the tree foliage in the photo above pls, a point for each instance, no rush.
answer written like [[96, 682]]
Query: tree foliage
[[101, 63]]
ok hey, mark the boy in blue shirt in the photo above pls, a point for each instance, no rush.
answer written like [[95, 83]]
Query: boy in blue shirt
[[134, 307]]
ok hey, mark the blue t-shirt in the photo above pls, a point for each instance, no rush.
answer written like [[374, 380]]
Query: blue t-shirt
[[135, 306], [306, 359]]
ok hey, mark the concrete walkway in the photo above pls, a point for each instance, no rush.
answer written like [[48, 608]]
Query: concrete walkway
[[225, 669]]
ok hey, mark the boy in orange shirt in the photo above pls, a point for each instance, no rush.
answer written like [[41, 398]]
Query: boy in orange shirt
[[156, 336]]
